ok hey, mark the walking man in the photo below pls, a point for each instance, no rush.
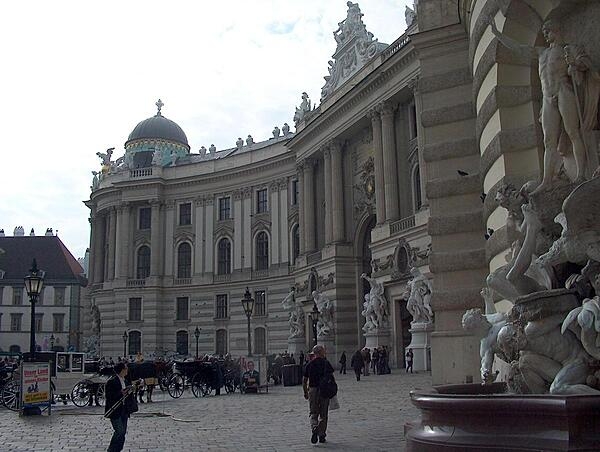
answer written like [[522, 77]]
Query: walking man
[[409, 360], [343, 363], [357, 363], [316, 370], [115, 390]]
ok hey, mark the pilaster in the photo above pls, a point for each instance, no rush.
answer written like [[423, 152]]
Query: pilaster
[[390, 166]]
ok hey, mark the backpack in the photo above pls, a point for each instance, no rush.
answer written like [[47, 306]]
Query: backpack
[[327, 386]]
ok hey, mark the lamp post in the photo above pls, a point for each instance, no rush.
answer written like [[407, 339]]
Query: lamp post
[[52, 339], [34, 282], [197, 336], [125, 336], [248, 305], [315, 319]]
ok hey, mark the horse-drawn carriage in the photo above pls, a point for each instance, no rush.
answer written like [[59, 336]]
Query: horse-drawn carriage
[[201, 376]]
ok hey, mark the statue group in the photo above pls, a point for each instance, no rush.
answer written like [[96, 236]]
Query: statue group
[[296, 314], [375, 307]]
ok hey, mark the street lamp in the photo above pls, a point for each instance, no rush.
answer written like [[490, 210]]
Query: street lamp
[[52, 339], [197, 336], [248, 305], [125, 336], [34, 282], [315, 319]]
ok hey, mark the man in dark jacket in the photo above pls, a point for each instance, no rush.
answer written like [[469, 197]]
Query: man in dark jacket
[[316, 370], [343, 363], [115, 389], [357, 363]]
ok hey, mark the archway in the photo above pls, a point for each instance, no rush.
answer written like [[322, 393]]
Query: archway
[[363, 259]]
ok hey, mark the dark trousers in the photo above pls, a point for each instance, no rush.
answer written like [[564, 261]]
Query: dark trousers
[[409, 366], [357, 372], [343, 368], [118, 439], [319, 409]]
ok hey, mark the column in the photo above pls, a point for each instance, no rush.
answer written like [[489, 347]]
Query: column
[[112, 242], [171, 207], [414, 85], [99, 233], [237, 230], [378, 161], [390, 167], [309, 205], [92, 255], [300, 171], [199, 232], [337, 192], [209, 240], [328, 204], [155, 247], [283, 225], [247, 206], [274, 209], [124, 245]]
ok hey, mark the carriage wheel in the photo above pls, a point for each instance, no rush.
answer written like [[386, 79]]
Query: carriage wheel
[[199, 386], [11, 392], [175, 386], [163, 381], [100, 395], [229, 386], [80, 395]]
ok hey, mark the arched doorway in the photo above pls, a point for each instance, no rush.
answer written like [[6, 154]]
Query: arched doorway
[[364, 257]]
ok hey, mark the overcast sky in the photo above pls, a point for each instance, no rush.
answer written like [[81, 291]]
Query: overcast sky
[[77, 76]]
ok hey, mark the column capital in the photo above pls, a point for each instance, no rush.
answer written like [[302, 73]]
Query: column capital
[[156, 202], [199, 201], [299, 167], [373, 114], [309, 164], [236, 195], [283, 183], [387, 109], [170, 204], [246, 192], [274, 185], [208, 201], [413, 85]]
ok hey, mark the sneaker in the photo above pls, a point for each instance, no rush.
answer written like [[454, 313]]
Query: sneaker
[[322, 439], [314, 438]]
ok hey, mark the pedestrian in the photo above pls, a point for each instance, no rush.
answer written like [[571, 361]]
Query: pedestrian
[[357, 363], [384, 358], [367, 360], [301, 358], [343, 363], [316, 371], [375, 361], [116, 388], [409, 360]]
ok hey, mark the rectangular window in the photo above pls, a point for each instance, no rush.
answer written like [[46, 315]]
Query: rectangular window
[[182, 308], [224, 208], [1, 293], [145, 218], [260, 307], [58, 322], [17, 296], [221, 307], [261, 201], [15, 322], [135, 309], [185, 214], [295, 192], [59, 296], [39, 321]]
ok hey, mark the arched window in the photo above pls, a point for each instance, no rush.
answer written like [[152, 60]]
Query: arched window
[[262, 251], [416, 183], [181, 342], [224, 257], [14, 349], [184, 261], [221, 342], [295, 243], [143, 262], [135, 342], [260, 341]]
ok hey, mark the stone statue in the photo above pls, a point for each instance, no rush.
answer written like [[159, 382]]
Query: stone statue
[[105, 159], [369, 314], [239, 143], [587, 317], [561, 69], [376, 306], [157, 157], [325, 307], [285, 129], [96, 320], [486, 327], [296, 314], [95, 181], [419, 297], [304, 108], [410, 16], [276, 132], [202, 151], [212, 149], [174, 158], [249, 140]]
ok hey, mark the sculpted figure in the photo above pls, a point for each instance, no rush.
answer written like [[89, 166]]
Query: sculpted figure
[[325, 307], [296, 314], [377, 308], [302, 109], [419, 297], [486, 327], [559, 72], [105, 159], [174, 158], [212, 149], [369, 314], [239, 143], [202, 151], [285, 129], [276, 132], [96, 320], [249, 140], [157, 157], [95, 181], [409, 16]]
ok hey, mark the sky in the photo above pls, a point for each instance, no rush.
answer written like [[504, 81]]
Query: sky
[[77, 76]]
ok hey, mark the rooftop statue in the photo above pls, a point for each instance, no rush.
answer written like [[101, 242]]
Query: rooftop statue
[[410, 16], [276, 132], [239, 143], [249, 140], [302, 109], [570, 93], [212, 149], [105, 159], [285, 129], [202, 150], [95, 181]]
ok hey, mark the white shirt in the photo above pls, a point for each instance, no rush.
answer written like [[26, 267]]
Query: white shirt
[[122, 380]]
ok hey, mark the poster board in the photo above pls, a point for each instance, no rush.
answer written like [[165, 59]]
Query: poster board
[[35, 384]]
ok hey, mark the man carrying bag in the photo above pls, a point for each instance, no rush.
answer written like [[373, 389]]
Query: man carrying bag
[[120, 403], [319, 386]]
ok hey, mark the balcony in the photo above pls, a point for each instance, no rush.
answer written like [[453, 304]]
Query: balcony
[[222, 278], [395, 47], [259, 274], [313, 258], [136, 282], [402, 224], [182, 281]]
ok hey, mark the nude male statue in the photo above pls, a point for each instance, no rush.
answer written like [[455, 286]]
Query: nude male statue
[[559, 102]]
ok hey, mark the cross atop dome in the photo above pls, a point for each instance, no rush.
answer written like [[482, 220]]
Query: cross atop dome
[[159, 104]]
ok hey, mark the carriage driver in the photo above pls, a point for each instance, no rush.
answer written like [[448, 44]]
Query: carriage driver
[[251, 378]]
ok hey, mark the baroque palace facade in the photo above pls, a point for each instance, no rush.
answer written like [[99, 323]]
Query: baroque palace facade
[[393, 174]]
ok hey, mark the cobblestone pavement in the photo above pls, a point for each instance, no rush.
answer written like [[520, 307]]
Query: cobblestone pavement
[[371, 418]]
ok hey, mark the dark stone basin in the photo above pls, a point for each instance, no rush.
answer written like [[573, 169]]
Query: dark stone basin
[[473, 417]]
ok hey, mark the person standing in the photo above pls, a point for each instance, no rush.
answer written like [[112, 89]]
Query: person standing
[[343, 363], [367, 360], [316, 370], [115, 390], [409, 360], [375, 361], [357, 363]]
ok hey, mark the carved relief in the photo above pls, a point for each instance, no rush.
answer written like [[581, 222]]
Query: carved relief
[[364, 191]]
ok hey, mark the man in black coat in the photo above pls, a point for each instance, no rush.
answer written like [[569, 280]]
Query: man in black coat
[[115, 389], [316, 370]]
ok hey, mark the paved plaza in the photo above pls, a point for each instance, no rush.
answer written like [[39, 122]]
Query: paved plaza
[[371, 418]]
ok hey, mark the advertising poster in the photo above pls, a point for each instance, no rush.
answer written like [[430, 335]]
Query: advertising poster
[[35, 382]]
